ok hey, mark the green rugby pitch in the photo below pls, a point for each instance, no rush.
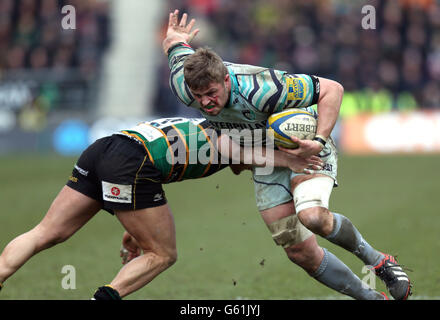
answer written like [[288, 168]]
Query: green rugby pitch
[[225, 250]]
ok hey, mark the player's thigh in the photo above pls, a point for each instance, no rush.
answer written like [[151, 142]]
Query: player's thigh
[[278, 212], [297, 179], [272, 190], [153, 228], [69, 211], [312, 194]]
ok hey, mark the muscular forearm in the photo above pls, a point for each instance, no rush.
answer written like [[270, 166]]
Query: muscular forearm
[[264, 157], [246, 155]]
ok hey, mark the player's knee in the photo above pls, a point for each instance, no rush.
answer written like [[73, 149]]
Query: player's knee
[[47, 238], [316, 219], [311, 199], [288, 231], [55, 238], [165, 256], [171, 258]]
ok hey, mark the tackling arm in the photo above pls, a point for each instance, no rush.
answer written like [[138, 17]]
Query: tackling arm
[[276, 158]]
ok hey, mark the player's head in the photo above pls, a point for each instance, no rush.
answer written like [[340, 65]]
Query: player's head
[[208, 79]]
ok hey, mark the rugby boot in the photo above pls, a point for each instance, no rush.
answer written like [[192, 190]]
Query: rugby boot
[[396, 280]]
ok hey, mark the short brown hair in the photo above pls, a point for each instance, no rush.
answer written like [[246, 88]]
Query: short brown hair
[[202, 68]]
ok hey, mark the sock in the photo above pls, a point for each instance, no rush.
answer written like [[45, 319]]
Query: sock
[[333, 273], [346, 235], [1, 286], [106, 293]]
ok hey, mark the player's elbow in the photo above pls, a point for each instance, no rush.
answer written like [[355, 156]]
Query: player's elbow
[[332, 87], [339, 89], [339, 92], [331, 91]]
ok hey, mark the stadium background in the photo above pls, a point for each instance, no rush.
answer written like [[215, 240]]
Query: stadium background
[[60, 89]]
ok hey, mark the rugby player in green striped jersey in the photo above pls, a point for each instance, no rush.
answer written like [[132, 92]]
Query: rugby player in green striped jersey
[[123, 174]]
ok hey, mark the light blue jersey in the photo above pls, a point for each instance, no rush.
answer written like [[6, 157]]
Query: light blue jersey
[[256, 92]]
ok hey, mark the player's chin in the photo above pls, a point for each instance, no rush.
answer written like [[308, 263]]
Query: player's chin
[[213, 111]]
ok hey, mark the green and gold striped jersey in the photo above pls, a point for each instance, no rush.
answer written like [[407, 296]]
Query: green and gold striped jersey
[[256, 92], [180, 148]]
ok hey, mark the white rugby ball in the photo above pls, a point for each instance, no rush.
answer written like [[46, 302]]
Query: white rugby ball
[[291, 122]]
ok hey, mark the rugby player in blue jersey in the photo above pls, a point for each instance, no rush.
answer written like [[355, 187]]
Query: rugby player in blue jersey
[[239, 96], [123, 174]]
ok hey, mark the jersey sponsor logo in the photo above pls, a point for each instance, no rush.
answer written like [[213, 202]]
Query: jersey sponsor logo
[[239, 126], [296, 89], [114, 192], [248, 114]]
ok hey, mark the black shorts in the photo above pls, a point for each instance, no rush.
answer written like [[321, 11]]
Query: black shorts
[[116, 171]]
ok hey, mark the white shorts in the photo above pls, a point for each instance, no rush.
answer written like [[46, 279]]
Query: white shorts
[[275, 189]]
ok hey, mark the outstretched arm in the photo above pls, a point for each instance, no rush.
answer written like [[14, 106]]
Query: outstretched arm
[[270, 158], [176, 48], [178, 31]]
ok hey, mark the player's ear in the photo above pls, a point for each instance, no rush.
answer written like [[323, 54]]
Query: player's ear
[[227, 81]]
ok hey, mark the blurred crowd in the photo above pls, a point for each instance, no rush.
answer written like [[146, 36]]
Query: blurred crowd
[[32, 36], [50, 57], [395, 65]]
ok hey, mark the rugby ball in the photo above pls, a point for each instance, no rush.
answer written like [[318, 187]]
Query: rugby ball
[[291, 122]]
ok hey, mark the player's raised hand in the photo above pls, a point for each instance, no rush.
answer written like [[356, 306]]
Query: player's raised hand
[[179, 31], [306, 148]]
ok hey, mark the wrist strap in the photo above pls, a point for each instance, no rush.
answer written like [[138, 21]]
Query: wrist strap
[[321, 140], [178, 44]]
